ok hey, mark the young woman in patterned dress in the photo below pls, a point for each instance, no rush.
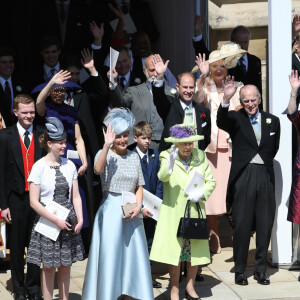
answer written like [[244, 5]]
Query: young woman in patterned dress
[[54, 178]]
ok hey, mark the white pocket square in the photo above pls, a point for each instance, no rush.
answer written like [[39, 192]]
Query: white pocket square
[[272, 133], [204, 124]]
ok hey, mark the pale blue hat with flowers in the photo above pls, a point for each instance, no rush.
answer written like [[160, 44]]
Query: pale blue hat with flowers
[[121, 119], [183, 133]]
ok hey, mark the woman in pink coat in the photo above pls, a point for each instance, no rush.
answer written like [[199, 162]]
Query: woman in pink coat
[[210, 94]]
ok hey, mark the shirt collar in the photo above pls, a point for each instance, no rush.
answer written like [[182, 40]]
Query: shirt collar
[[23, 130], [184, 105], [3, 80], [254, 117], [245, 59], [127, 77], [141, 154], [47, 68], [149, 86]]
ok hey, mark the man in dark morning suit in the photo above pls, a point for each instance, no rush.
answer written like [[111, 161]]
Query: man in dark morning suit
[[50, 52], [9, 86], [248, 69], [126, 76], [182, 109], [255, 139], [139, 99], [18, 152], [150, 163]]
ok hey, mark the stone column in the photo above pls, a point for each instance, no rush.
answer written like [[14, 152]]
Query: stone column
[[279, 91]]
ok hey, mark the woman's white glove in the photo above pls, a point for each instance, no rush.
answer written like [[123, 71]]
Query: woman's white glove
[[196, 196], [173, 155]]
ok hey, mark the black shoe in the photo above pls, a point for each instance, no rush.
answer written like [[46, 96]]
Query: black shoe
[[262, 278], [35, 297], [156, 284], [188, 297], [199, 277], [240, 279], [20, 297]]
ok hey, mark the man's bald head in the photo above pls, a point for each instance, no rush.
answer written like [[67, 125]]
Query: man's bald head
[[250, 98]]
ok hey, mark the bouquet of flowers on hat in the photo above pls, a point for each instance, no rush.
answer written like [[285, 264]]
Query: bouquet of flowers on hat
[[180, 133]]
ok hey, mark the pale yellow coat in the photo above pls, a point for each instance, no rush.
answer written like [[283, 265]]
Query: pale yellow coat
[[166, 247]]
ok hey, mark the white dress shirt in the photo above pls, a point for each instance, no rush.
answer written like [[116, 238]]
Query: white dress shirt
[[23, 130], [141, 154]]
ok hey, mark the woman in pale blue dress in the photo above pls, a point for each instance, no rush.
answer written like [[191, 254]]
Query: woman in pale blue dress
[[118, 260]]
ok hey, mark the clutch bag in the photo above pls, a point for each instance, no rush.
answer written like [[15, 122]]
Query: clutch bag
[[193, 228], [127, 208], [73, 222]]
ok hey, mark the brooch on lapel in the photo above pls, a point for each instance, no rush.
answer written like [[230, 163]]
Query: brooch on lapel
[[268, 120], [196, 159], [203, 116], [173, 91], [137, 80], [153, 155]]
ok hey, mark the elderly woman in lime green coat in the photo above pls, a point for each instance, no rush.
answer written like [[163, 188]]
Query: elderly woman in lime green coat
[[177, 166]]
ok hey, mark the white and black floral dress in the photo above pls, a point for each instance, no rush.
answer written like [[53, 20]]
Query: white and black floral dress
[[55, 184]]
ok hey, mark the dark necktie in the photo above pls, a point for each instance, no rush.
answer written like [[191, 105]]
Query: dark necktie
[[243, 66], [8, 91], [145, 163], [62, 13], [26, 139], [122, 84], [51, 73]]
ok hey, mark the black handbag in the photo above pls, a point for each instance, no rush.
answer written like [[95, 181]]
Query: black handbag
[[73, 222], [193, 228]]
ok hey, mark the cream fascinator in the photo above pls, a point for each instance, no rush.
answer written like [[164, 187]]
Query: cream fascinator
[[231, 52]]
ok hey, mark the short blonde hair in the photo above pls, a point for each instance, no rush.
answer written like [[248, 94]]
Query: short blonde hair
[[142, 128], [22, 98]]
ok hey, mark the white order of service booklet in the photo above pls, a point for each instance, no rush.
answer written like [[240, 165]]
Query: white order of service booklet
[[152, 202], [47, 228], [195, 182]]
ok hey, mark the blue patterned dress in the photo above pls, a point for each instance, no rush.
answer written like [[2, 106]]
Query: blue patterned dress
[[118, 260]]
